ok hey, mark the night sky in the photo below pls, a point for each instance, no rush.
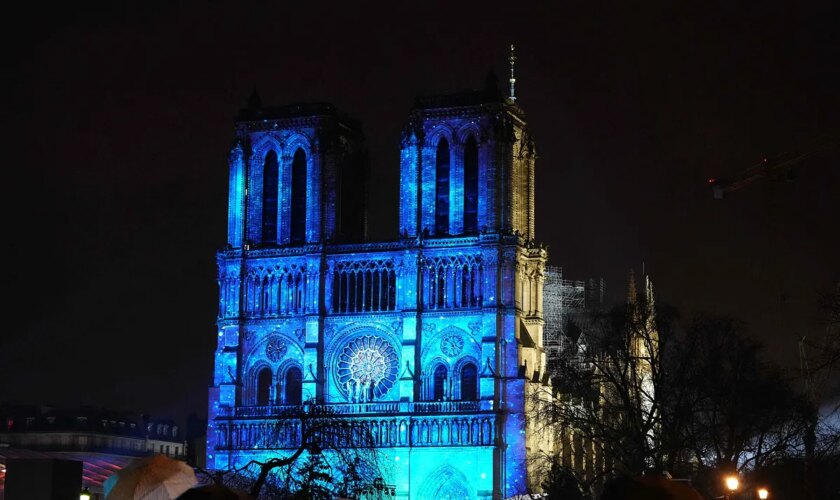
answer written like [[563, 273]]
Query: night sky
[[117, 122]]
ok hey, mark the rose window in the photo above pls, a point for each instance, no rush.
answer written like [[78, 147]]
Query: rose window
[[275, 349], [367, 368], [451, 344]]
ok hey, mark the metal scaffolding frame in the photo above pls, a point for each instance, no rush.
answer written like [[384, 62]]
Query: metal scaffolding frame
[[565, 302]]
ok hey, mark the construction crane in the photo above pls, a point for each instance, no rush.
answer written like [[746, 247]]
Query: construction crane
[[778, 168]]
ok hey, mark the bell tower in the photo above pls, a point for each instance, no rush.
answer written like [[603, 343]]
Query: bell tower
[[297, 176], [467, 166]]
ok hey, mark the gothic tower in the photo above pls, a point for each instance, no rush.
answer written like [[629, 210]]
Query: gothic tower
[[432, 343], [467, 166]]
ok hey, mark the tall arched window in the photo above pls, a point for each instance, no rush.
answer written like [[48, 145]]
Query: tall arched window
[[269, 198], [471, 186], [439, 383], [294, 389], [264, 387], [442, 188], [469, 383], [298, 209]]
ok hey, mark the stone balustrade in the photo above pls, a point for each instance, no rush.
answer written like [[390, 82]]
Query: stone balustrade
[[410, 431], [422, 407]]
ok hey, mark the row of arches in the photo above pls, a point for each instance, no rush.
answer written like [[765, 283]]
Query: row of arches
[[271, 198], [443, 170], [463, 386], [451, 282], [381, 433], [289, 388], [287, 391]]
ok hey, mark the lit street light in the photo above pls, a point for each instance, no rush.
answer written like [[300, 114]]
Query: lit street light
[[763, 494], [85, 494], [732, 484]]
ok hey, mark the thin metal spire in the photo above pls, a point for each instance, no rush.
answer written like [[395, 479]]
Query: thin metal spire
[[512, 60]]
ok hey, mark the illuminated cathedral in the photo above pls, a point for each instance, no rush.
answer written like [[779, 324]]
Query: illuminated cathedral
[[432, 341]]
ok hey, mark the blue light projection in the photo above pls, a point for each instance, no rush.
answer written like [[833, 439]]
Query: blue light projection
[[428, 342]]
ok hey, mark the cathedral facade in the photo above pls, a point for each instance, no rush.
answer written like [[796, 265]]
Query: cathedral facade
[[430, 342]]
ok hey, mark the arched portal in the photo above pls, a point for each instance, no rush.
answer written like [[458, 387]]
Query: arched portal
[[446, 483]]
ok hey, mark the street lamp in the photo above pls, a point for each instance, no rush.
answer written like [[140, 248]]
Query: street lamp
[[732, 484], [763, 493], [85, 494]]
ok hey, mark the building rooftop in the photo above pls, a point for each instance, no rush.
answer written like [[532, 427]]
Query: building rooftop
[[489, 94], [255, 111], [30, 418]]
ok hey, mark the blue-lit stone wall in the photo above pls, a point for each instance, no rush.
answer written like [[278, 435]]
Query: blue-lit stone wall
[[428, 342]]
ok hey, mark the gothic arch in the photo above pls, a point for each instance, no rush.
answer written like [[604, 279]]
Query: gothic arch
[[270, 196], [297, 141], [256, 353], [461, 362], [466, 130], [252, 381], [471, 175], [284, 368], [427, 376], [264, 143], [264, 387], [446, 483], [438, 132], [299, 183], [440, 382], [458, 377], [282, 380], [443, 185], [431, 343]]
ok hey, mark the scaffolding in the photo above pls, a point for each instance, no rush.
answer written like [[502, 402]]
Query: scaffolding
[[565, 303]]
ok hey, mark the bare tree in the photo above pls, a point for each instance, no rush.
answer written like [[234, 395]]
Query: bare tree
[[332, 456], [744, 413], [647, 396], [608, 387]]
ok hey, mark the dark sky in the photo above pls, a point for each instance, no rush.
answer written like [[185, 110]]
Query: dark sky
[[118, 120]]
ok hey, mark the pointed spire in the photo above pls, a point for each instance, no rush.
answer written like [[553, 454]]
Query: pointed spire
[[650, 305], [512, 79], [632, 296]]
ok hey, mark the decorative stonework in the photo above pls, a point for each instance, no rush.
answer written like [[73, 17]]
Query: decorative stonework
[[397, 327], [275, 349], [367, 368], [451, 344], [354, 318]]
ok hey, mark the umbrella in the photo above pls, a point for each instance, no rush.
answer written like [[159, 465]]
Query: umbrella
[[214, 492], [151, 478]]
